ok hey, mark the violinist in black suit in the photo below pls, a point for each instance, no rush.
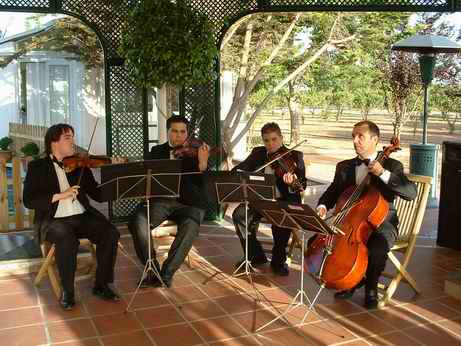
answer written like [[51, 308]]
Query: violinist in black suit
[[187, 211], [63, 214], [273, 143], [390, 180]]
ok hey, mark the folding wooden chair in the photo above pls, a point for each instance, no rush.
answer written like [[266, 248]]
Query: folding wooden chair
[[411, 214], [49, 265]]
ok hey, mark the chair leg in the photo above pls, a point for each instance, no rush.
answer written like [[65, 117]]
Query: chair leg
[[55, 284], [403, 272], [93, 263], [48, 267], [44, 268]]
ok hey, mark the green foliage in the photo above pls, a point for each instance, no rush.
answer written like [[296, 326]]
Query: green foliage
[[361, 74], [447, 99], [167, 42], [5, 143], [30, 149]]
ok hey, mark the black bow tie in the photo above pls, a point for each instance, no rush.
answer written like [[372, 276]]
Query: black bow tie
[[59, 163], [359, 161]]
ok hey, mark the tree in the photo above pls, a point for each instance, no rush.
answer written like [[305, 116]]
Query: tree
[[403, 88], [447, 99], [266, 38]]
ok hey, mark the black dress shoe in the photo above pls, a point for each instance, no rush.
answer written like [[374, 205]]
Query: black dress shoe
[[371, 299], [280, 270], [148, 281], [105, 292], [67, 300], [166, 281], [346, 294]]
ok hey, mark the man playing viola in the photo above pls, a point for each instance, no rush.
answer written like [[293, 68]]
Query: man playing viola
[[63, 214], [390, 180], [273, 143], [187, 211]]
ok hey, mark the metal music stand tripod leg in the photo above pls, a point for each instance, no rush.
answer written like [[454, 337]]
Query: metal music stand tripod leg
[[150, 264], [249, 270], [301, 297], [240, 187]]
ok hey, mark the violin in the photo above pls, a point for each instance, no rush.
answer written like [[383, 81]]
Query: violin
[[81, 161], [190, 149], [283, 161]]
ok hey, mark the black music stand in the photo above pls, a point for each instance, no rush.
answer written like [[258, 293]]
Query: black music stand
[[242, 187], [135, 180], [298, 217]]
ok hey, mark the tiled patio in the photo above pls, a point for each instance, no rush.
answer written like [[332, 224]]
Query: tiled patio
[[206, 306]]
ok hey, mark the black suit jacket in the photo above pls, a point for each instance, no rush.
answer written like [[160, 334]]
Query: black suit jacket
[[258, 157], [41, 183], [398, 184], [192, 190]]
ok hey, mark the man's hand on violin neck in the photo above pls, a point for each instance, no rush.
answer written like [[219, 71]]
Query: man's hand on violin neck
[[203, 154]]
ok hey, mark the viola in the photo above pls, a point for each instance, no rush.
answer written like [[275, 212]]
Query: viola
[[284, 162], [340, 261], [81, 161]]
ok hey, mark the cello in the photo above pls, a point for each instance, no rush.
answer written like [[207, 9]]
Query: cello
[[340, 260]]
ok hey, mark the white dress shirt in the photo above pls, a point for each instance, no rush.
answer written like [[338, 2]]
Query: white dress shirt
[[66, 207], [362, 170], [269, 170]]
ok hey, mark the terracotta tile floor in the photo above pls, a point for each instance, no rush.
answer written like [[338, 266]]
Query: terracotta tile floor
[[207, 306]]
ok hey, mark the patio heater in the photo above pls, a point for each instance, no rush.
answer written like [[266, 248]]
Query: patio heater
[[423, 157]]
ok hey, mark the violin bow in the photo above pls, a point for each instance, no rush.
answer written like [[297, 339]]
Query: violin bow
[[88, 151], [279, 157]]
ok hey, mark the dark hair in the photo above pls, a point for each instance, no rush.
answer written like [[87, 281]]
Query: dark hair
[[271, 127], [54, 133], [176, 119], [372, 127]]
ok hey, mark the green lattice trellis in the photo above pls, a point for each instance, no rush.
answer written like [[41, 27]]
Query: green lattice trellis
[[126, 108]]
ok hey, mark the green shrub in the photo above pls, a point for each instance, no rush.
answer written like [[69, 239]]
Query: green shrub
[[30, 149], [165, 42], [5, 143]]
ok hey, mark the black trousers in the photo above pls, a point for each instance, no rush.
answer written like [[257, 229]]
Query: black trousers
[[65, 232], [280, 235], [379, 244], [188, 220]]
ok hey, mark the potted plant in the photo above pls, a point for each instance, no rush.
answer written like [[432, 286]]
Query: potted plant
[[165, 42], [30, 152], [5, 152]]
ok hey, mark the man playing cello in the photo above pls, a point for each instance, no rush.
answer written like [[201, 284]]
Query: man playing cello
[[390, 181]]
